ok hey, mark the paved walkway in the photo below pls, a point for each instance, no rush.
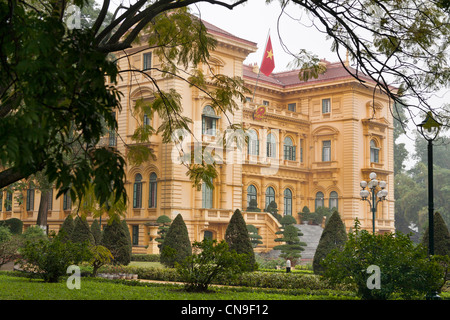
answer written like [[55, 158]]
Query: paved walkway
[[7, 266]]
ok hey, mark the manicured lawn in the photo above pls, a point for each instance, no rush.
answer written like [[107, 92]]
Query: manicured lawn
[[20, 288], [144, 264]]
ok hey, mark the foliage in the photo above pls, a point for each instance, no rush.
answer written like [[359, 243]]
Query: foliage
[[164, 223], [5, 234], [255, 238], [116, 239], [333, 237], [405, 268], [304, 214], [145, 257], [100, 256], [96, 232], [441, 237], [33, 233], [411, 188], [15, 225], [50, 258], [18, 288], [44, 124], [9, 249], [210, 260], [176, 246], [253, 206], [65, 232], [292, 246], [81, 231], [272, 208], [237, 238], [63, 111]]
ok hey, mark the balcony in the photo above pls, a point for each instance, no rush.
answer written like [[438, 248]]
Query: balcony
[[224, 216]]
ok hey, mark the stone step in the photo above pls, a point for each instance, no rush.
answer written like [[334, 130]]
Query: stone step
[[311, 236]]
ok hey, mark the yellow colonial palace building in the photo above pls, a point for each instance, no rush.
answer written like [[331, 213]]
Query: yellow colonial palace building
[[309, 144]]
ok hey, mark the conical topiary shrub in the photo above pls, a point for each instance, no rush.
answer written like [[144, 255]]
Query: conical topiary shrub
[[333, 237], [81, 231], [65, 232], [116, 239], [176, 246], [238, 239], [441, 236], [96, 231]]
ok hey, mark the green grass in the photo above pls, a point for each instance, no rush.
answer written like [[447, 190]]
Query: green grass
[[144, 264], [20, 288]]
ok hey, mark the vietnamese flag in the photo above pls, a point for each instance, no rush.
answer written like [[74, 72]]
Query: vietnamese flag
[[268, 63]]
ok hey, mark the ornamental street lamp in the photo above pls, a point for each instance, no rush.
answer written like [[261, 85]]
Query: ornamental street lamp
[[429, 129], [375, 194]]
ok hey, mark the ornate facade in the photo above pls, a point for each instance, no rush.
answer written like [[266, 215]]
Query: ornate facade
[[310, 144]]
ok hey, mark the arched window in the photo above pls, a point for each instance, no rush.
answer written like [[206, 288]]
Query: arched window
[[152, 191], [253, 143], [207, 196], [289, 149], [209, 121], [137, 191], [374, 152], [319, 200], [208, 235], [334, 204], [287, 202], [251, 195], [271, 146], [270, 196]]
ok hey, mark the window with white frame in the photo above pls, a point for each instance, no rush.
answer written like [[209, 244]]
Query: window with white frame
[[326, 150], [271, 146], [253, 143], [147, 61], [292, 107], [374, 152], [209, 121], [289, 149], [326, 106], [207, 196]]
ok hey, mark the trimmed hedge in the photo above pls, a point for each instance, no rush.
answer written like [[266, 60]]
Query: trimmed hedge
[[145, 257], [274, 280]]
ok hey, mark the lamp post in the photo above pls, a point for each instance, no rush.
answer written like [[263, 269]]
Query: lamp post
[[371, 192], [429, 129]]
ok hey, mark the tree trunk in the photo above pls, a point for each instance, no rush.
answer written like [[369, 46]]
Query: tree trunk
[[43, 210]]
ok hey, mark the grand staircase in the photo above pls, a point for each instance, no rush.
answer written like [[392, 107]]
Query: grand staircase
[[311, 236]]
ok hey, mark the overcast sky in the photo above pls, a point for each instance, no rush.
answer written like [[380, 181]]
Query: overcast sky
[[253, 21]]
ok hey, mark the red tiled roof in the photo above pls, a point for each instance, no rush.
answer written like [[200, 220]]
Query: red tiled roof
[[285, 79], [216, 30]]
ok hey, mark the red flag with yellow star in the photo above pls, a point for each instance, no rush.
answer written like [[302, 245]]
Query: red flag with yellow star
[[268, 63]]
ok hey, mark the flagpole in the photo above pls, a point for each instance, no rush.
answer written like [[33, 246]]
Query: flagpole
[[259, 68]]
